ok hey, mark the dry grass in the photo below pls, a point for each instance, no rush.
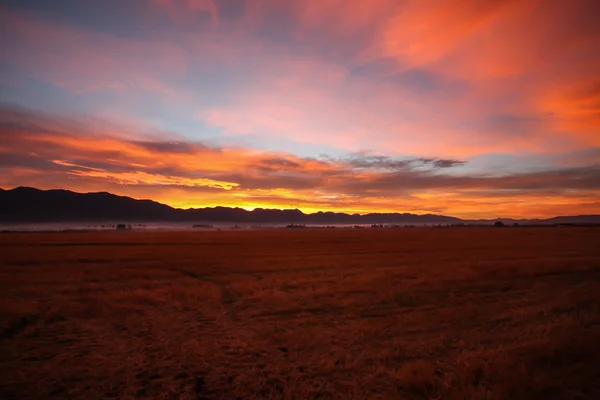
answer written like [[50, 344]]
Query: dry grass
[[370, 314]]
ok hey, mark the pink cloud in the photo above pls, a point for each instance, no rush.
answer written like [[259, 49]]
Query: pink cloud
[[182, 10], [505, 62], [82, 61], [508, 77]]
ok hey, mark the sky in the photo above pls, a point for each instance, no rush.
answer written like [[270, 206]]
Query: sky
[[475, 109]]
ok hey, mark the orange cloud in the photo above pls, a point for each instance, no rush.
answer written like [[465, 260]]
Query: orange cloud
[[482, 39], [143, 178], [491, 65], [575, 108], [45, 152], [507, 55], [422, 33]]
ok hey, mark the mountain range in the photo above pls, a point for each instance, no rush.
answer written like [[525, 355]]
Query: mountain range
[[25, 204]]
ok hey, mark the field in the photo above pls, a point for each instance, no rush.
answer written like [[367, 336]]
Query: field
[[481, 313]]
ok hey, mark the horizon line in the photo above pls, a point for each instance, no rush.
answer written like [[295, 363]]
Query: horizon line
[[349, 213]]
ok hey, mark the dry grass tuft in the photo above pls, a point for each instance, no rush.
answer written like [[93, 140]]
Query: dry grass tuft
[[417, 377]]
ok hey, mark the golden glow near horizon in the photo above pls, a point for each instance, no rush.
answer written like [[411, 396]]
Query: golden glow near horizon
[[488, 109]]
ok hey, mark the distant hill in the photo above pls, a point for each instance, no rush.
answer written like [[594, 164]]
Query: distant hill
[[24, 204]]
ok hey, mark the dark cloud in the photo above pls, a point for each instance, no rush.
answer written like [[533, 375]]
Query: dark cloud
[[379, 162], [366, 161], [17, 160], [15, 121], [280, 162], [440, 162], [581, 178], [173, 147]]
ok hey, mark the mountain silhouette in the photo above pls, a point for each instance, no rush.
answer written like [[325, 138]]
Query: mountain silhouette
[[25, 204]]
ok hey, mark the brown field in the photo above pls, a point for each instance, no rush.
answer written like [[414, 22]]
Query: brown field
[[309, 314]]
